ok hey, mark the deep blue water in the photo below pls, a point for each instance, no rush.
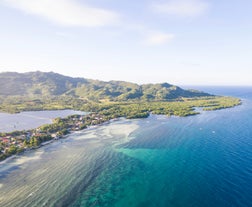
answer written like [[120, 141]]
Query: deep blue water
[[198, 161], [204, 160]]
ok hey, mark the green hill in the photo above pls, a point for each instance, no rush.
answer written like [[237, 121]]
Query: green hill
[[41, 84]]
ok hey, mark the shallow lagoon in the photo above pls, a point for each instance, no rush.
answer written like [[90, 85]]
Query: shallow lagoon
[[31, 119]]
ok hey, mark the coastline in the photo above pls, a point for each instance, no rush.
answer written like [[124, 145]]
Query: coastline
[[18, 141], [38, 172], [87, 166], [88, 129]]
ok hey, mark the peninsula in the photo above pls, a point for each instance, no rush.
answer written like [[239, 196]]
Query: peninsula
[[104, 100]]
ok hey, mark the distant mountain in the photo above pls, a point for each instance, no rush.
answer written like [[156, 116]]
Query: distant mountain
[[38, 84]]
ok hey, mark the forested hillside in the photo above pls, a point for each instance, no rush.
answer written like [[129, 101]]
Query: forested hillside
[[41, 84]]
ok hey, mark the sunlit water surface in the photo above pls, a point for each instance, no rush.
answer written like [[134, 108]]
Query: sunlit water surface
[[203, 160], [31, 119]]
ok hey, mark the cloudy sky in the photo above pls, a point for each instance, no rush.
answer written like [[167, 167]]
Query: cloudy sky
[[184, 42]]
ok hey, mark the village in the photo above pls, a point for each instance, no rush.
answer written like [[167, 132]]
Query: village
[[19, 141]]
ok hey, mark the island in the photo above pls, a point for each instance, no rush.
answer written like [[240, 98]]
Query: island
[[104, 101]]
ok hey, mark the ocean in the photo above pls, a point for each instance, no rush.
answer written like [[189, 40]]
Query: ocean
[[197, 161]]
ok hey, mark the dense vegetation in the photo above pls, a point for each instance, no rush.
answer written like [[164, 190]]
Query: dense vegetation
[[105, 101], [44, 91], [48, 85], [184, 107], [16, 142]]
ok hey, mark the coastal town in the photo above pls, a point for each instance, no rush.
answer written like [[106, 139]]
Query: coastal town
[[16, 142], [19, 141]]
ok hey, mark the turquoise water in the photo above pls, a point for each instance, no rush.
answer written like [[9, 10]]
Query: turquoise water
[[204, 160], [198, 161]]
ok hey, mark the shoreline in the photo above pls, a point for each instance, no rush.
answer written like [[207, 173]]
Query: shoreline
[[14, 156], [29, 120], [17, 142], [91, 127]]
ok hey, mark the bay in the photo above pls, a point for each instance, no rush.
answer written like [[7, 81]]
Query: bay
[[203, 160], [31, 119]]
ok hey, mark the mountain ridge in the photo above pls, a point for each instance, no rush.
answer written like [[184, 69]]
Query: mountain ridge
[[54, 84]]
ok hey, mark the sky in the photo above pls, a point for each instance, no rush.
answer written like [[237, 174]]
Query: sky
[[182, 42]]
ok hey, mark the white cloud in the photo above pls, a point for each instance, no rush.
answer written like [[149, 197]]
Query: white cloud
[[159, 38], [66, 12], [182, 8]]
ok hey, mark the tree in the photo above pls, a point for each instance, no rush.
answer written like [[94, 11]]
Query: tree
[[12, 150]]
